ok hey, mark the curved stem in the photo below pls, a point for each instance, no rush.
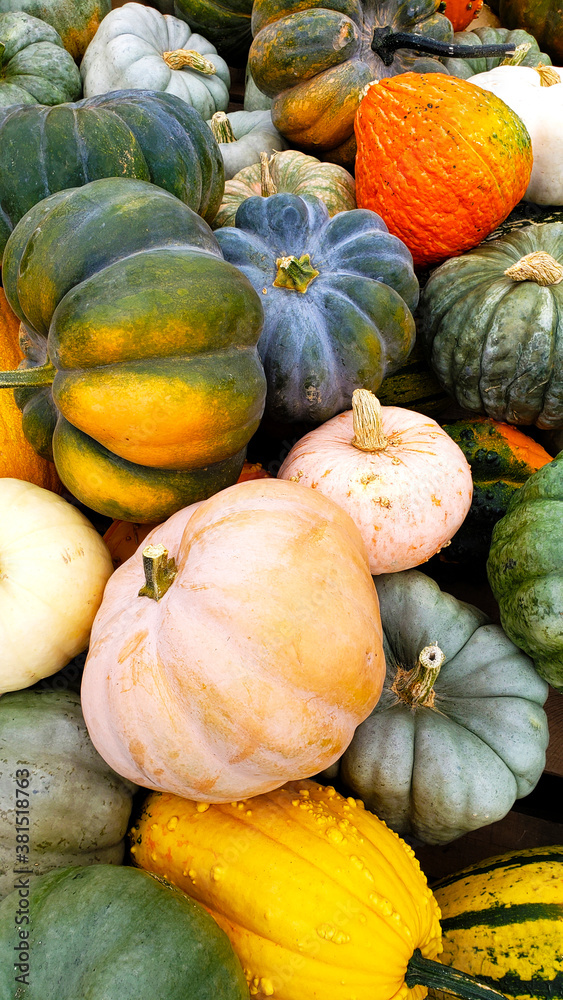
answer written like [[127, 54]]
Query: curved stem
[[222, 128], [160, 572], [182, 58], [538, 266], [32, 377], [427, 972], [266, 181], [385, 42], [416, 686], [368, 422]]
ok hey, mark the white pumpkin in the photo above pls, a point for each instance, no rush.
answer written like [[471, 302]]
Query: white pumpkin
[[537, 98], [53, 570], [242, 136], [138, 48]]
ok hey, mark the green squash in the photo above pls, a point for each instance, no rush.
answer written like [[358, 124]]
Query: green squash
[[156, 381], [492, 322], [254, 99], [34, 65], [154, 137], [526, 213], [414, 386], [76, 21], [108, 933], [226, 24], [78, 807], [465, 68], [525, 569], [459, 732], [542, 18]]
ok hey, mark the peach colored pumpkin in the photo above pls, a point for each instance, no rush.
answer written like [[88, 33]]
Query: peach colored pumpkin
[[401, 478], [257, 663]]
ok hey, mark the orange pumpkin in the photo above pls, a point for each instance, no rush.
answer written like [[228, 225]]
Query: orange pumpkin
[[442, 161], [250, 655], [18, 460], [462, 12]]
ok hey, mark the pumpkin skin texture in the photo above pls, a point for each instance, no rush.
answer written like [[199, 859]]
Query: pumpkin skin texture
[[542, 18], [494, 338], [466, 68], [462, 12], [34, 65], [260, 705], [525, 570], [315, 60], [121, 336], [242, 138], [128, 936], [346, 327], [76, 21], [437, 760], [54, 570], [426, 144], [413, 386], [81, 808], [227, 25], [408, 492], [137, 48]]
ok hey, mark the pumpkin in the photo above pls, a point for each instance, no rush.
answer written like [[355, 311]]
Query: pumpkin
[[54, 570], [459, 732], [337, 295], [139, 49], [503, 919], [244, 686], [414, 386], [34, 65], [112, 933], [156, 392], [227, 24], [525, 570], [288, 172], [525, 214], [490, 321], [155, 137], [254, 99], [462, 12], [442, 161], [542, 18], [319, 898], [501, 459], [536, 95], [400, 477], [242, 136], [76, 21], [80, 808], [527, 51]]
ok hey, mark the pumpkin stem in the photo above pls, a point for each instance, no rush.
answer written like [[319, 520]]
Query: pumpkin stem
[[295, 273], [266, 180], [32, 377], [2, 51], [416, 686], [385, 42], [549, 76], [520, 53], [182, 58], [222, 128], [368, 424], [538, 266], [427, 972], [159, 572]]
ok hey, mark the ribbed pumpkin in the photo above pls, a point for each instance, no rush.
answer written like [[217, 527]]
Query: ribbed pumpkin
[[76, 21], [462, 12], [242, 136], [502, 919], [442, 161], [465, 68], [34, 65]]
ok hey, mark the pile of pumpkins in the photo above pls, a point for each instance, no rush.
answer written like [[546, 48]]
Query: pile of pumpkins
[[266, 375]]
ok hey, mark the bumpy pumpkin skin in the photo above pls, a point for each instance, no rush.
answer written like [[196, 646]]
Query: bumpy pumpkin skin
[[244, 686], [525, 569], [75, 20], [459, 759], [465, 68], [462, 12], [363, 903], [442, 161], [34, 65], [542, 18]]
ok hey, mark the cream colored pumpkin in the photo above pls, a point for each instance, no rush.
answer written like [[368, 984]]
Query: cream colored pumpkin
[[53, 569], [402, 479], [536, 95], [257, 663]]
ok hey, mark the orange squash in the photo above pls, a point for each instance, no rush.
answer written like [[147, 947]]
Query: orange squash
[[18, 460], [462, 12], [442, 161]]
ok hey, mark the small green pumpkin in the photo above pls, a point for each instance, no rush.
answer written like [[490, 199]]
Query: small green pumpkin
[[76, 21], [527, 54], [34, 65]]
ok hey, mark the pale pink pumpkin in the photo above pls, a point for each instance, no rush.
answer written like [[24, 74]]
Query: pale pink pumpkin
[[402, 479], [258, 662]]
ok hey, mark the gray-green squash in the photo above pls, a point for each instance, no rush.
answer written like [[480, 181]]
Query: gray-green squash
[[34, 65], [527, 51], [78, 808], [242, 136], [459, 732]]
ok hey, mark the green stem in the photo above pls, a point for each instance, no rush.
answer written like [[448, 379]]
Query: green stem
[[2, 51], [160, 572], [426, 972], [295, 273], [41, 375], [222, 128], [416, 686]]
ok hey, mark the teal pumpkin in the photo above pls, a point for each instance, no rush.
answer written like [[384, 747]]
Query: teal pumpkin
[[466, 68], [34, 65]]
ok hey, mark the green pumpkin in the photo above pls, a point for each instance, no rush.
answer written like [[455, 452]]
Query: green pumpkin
[[526, 213], [459, 732], [525, 569], [542, 18], [414, 386], [78, 807], [492, 322], [34, 65], [156, 381], [109, 933], [76, 21], [465, 68], [227, 24], [154, 137]]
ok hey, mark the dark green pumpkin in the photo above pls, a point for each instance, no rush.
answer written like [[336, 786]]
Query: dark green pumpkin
[[525, 569], [226, 25], [414, 386], [495, 340], [34, 65], [130, 133], [542, 18], [465, 68], [526, 213], [337, 294], [111, 933], [149, 340], [76, 21]]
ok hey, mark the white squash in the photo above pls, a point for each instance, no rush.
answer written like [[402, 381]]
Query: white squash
[[138, 48], [53, 570], [536, 95], [242, 136]]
